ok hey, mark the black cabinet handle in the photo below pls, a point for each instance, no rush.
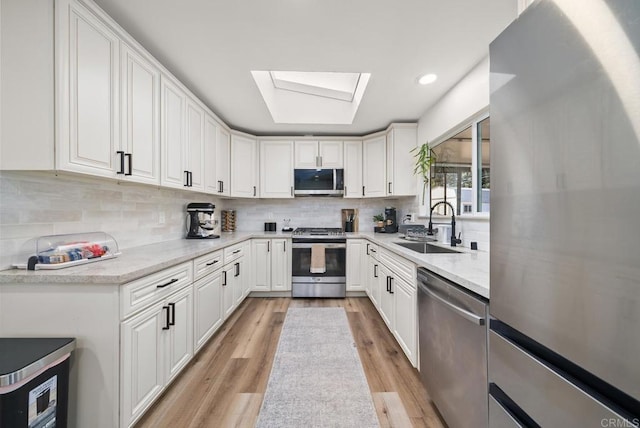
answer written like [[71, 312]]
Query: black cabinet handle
[[168, 283], [173, 314], [222, 188], [254, 190], [284, 247], [237, 265], [236, 251], [166, 324], [224, 279], [268, 246], [292, 191], [388, 286], [389, 188], [219, 186], [212, 263], [373, 250], [391, 284], [368, 248], [362, 190], [375, 271], [130, 157], [186, 179], [121, 153], [190, 178]]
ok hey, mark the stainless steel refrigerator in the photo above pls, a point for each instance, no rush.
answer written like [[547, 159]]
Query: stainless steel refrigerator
[[564, 345]]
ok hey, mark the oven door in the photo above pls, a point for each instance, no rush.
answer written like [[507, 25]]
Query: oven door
[[331, 283]]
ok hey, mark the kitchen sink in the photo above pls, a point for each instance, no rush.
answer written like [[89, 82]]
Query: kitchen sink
[[425, 248]]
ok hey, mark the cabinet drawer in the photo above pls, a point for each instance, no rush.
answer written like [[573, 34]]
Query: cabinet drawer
[[143, 292], [399, 266], [206, 264], [234, 252]]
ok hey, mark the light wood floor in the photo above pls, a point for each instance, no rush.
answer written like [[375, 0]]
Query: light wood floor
[[223, 386]]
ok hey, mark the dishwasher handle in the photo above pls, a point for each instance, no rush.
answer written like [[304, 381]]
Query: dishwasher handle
[[470, 316]]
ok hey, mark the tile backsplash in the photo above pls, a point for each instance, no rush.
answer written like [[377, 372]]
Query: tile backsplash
[[33, 204]]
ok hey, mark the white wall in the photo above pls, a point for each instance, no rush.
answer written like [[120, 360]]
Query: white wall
[[453, 112]]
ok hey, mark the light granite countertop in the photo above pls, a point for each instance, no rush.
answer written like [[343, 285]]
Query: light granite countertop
[[469, 269]]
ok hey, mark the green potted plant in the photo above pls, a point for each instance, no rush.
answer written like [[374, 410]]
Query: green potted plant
[[424, 159], [379, 220]]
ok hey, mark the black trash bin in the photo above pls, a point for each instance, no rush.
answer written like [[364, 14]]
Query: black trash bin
[[34, 382]]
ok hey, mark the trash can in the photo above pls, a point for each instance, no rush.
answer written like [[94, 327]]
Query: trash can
[[34, 382]]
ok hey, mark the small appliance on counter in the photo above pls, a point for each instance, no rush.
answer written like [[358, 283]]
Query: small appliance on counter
[[287, 227], [270, 226], [200, 222], [390, 222], [61, 251]]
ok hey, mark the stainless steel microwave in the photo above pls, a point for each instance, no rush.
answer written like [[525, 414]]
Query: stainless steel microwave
[[318, 182]]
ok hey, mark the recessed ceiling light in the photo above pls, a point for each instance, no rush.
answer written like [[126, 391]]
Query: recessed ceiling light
[[427, 78]]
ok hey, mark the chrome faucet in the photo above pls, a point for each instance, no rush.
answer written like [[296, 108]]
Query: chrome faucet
[[454, 240]]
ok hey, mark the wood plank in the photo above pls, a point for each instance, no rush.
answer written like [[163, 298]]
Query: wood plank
[[224, 384]]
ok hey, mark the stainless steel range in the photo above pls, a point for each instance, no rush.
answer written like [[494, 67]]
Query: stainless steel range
[[319, 262]]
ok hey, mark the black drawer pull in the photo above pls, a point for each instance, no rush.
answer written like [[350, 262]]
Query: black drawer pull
[[375, 271], [130, 157], [121, 154], [212, 263], [236, 251], [224, 280], [168, 283], [391, 284]]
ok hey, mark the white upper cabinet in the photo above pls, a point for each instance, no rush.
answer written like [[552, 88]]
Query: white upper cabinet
[[194, 139], [172, 103], [401, 139], [139, 154], [276, 169], [353, 169], [244, 166], [210, 160], [87, 91], [318, 154], [223, 162], [374, 167]]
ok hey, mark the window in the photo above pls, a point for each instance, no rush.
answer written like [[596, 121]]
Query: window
[[460, 174]]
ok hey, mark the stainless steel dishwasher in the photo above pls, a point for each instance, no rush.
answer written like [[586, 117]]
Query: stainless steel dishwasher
[[453, 350]]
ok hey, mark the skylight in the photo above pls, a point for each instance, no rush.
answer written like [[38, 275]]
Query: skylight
[[311, 97]]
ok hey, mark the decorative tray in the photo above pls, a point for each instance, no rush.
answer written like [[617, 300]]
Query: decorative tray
[[62, 251]]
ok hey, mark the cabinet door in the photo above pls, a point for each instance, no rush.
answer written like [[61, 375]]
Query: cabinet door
[[353, 169], [194, 139], [223, 162], [374, 167], [401, 181], [355, 274], [306, 154], [239, 275], [179, 337], [142, 351], [140, 125], [387, 291], [281, 265], [244, 167], [172, 105], [276, 169], [228, 280], [261, 250], [373, 276], [89, 106], [211, 184], [405, 323], [330, 153], [207, 307]]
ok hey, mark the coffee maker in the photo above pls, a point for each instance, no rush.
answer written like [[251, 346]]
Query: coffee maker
[[200, 222], [390, 221]]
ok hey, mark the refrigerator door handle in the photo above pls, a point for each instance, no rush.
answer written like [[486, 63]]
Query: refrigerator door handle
[[470, 316]]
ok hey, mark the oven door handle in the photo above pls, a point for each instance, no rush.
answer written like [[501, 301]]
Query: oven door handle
[[328, 246]]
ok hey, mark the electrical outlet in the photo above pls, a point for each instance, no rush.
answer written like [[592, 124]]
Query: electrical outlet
[[161, 217]]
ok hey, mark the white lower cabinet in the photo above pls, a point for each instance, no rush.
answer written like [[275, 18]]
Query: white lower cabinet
[[228, 284], [156, 345], [391, 286], [271, 264], [207, 307], [356, 264]]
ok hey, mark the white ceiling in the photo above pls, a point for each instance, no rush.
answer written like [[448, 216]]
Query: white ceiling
[[212, 46]]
